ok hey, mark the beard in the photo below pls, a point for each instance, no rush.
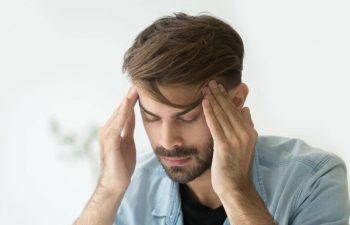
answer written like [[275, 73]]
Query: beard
[[200, 161]]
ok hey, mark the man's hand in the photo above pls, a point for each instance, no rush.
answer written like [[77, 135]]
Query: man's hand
[[234, 147], [118, 153], [234, 140], [118, 159]]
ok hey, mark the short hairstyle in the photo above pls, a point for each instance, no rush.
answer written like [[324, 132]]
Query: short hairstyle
[[185, 50]]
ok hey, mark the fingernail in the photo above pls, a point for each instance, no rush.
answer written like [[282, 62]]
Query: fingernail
[[208, 91], [204, 90], [206, 102], [213, 84], [221, 87]]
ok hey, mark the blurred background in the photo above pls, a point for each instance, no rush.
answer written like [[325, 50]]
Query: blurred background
[[60, 79]]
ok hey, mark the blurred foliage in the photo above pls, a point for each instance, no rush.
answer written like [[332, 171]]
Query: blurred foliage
[[77, 146]]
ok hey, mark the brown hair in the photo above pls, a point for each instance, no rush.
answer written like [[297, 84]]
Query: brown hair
[[185, 50]]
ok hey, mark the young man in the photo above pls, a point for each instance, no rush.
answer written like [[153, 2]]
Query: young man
[[209, 165]]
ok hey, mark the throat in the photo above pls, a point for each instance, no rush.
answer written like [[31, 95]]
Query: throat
[[201, 191]]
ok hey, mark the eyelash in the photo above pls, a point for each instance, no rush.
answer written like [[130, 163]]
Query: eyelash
[[184, 121], [150, 121]]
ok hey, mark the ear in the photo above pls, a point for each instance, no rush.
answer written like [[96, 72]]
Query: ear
[[238, 95]]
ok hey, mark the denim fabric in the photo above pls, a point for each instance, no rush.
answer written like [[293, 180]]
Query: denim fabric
[[299, 184]]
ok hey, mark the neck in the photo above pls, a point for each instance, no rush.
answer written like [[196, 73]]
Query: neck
[[203, 191]]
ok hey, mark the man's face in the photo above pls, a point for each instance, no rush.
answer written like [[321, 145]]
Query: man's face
[[179, 137]]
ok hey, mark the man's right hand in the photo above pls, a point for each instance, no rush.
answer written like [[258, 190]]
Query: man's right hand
[[118, 153], [118, 159]]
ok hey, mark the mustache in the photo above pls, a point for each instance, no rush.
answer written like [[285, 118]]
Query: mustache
[[177, 152]]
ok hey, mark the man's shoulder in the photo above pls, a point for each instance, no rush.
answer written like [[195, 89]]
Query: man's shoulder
[[298, 181], [280, 151], [292, 166]]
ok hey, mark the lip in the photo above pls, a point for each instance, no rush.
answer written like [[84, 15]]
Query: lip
[[176, 161]]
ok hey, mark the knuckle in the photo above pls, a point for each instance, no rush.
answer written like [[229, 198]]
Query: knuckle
[[118, 114], [255, 134], [235, 142], [216, 126], [112, 133], [121, 114], [128, 140], [226, 146], [110, 136], [215, 91], [127, 99], [245, 137]]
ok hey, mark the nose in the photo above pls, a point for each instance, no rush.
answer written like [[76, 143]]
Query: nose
[[170, 137]]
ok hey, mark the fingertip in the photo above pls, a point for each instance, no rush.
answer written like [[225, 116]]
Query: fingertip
[[132, 93], [204, 90], [132, 90], [244, 112], [205, 102], [247, 114]]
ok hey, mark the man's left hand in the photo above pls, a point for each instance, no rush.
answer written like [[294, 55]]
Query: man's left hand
[[234, 139]]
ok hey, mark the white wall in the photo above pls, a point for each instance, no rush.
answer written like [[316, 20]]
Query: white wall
[[62, 59]]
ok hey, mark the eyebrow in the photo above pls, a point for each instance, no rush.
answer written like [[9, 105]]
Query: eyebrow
[[194, 105]]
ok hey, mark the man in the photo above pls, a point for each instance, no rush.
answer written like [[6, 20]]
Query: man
[[209, 164]]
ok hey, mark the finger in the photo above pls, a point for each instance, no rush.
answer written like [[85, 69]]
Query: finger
[[222, 96], [219, 114], [128, 131], [247, 116], [117, 124], [128, 102], [231, 110], [213, 125]]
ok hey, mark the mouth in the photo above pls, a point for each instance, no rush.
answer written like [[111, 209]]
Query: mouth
[[176, 161]]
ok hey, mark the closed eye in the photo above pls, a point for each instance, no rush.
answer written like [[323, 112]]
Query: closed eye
[[179, 119], [150, 120], [188, 120]]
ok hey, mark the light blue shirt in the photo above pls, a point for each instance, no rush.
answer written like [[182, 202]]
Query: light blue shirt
[[299, 184]]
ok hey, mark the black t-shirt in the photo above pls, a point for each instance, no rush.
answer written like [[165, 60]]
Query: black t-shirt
[[195, 213]]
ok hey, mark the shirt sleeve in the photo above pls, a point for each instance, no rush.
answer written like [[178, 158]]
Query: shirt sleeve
[[324, 198]]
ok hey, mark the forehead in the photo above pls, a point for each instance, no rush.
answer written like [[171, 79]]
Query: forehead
[[184, 95]]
